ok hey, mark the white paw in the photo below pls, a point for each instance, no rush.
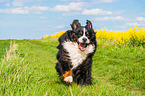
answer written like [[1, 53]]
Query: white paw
[[68, 79]]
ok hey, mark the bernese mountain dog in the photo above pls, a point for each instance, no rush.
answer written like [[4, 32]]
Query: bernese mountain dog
[[76, 49]]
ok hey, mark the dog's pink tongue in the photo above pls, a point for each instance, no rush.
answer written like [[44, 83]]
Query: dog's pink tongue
[[82, 46]]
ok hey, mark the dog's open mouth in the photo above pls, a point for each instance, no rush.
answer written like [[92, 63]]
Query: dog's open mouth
[[82, 46]]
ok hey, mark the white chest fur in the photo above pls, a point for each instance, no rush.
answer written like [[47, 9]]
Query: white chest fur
[[77, 56]]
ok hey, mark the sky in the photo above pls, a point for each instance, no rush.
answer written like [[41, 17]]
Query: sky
[[33, 19]]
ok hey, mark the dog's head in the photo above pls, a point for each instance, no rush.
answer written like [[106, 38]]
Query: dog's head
[[83, 35]]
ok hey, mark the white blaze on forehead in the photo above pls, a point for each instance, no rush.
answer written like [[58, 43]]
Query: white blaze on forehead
[[84, 32], [84, 36]]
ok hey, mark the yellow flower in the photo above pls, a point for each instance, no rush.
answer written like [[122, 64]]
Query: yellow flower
[[45, 36], [130, 36]]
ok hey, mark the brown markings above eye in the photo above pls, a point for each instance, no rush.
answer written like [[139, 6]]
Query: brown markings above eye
[[74, 39], [81, 32], [87, 33]]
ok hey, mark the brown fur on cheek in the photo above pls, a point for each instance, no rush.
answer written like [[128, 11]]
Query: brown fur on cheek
[[68, 73]]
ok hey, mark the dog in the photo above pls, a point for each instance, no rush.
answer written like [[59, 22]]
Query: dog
[[76, 49]]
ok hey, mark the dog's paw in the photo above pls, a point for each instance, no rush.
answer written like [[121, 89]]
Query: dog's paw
[[68, 79]]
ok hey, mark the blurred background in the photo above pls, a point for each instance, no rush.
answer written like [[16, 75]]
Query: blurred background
[[33, 19]]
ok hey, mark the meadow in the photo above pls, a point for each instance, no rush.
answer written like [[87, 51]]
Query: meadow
[[27, 67]]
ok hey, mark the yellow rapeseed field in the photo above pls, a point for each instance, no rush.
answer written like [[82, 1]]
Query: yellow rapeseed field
[[57, 35], [133, 36]]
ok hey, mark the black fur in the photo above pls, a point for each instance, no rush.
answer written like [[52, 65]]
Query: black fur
[[82, 74]]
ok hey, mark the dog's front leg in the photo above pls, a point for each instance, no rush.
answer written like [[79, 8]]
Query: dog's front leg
[[67, 76]]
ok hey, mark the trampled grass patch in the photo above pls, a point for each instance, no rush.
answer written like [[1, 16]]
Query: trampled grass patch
[[117, 70]]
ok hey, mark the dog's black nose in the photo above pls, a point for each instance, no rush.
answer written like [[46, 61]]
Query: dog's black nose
[[84, 39]]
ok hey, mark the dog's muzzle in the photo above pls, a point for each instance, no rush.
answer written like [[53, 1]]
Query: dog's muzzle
[[82, 43]]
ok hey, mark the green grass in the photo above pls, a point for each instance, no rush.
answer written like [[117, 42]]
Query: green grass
[[30, 70], [3, 45]]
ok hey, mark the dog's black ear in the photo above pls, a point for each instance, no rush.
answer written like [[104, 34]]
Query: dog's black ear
[[89, 24], [75, 24]]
